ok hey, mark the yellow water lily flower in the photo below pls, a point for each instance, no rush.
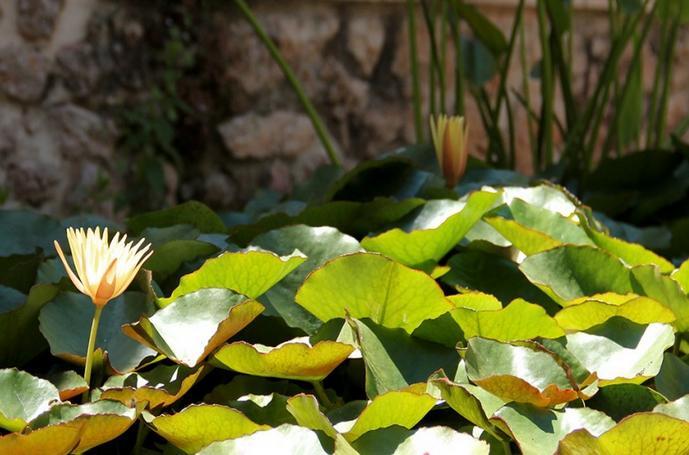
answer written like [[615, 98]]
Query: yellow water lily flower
[[450, 142], [103, 270]]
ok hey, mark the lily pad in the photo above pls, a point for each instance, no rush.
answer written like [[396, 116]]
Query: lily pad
[[192, 213], [621, 350], [23, 398], [159, 387], [192, 326], [649, 281], [250, 273], [365, 285], [433, 231], [197, 426], [168, 257], [640, 434], [319, 244], [518, 373], [568, 272], [395, 360], [65, 322], [20, 339], [291, 360], [101, 421], [22, 231], [678, 408], [520, 320], [438, 439], [69, 383], [673, 379], [583, 316], [620, 400], [538, 431], [289, 438], [56, 439]]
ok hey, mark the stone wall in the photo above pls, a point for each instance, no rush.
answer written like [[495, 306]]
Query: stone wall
[[80, 81]]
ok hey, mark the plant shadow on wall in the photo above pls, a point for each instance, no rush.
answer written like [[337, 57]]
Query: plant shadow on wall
[[168, 122]]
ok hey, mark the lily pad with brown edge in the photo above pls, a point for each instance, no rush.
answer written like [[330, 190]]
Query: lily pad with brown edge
[[518, 373], [295, 359], [101, 421], [199, 425], [23, 397], [639, 434], [59, 439], [69, 383], [191, 327], [368, 285], [66, 321], [251, 272], [159, 387]]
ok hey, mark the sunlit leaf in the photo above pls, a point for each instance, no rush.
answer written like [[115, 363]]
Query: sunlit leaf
[[23, 398]]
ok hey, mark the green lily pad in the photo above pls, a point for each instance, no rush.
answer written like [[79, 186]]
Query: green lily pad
[[291, 360], [562, 228], [289, 438], [401, 408], [434, 230], [268, 409], [631, 254], [538, 431], [395, 360], [20, 339], [65, 322], [69, 383], [518, 373], [621, 350], [365, 285], [169, 257], [649, 281], [640, 434], [678, 408], [23, 398], [56, 439], [520, 320], [250, 272], [673, 379], [20, 271], [159, 387], [22, 231], [590, 313], [197, 426], [193, 325], [471, 402], [101, 421], [319, 244], [242, 385], [681, 276], [192, 213], [568, 272], [527, 240], [620, 400]]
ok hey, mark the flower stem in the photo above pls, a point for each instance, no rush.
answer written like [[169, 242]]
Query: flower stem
[[322, 395], [141, 433], [275, 53], [90, 349]]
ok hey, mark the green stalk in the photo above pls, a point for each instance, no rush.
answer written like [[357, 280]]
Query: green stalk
[[91, 349], [525, 89], [653, 107], [559, 59], [435, 71], [456, 30], [275, 53], [321, 394], [443, 53], [141, 433], [636, 61], [667, 79], [545, 133], [502, 90], [414, 62]]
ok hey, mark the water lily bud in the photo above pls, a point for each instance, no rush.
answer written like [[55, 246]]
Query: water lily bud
[[103, 270], [450, 142]]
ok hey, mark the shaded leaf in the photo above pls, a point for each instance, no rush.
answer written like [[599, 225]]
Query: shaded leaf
[[23, 397], [191, 213], [673, 379]]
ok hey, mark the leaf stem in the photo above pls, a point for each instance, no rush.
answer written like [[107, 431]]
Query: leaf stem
[[141, 433], [318, 124], [321, 394], [90, 349]]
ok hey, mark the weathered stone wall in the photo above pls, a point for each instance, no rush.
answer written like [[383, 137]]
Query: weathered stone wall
[[72, 70]]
